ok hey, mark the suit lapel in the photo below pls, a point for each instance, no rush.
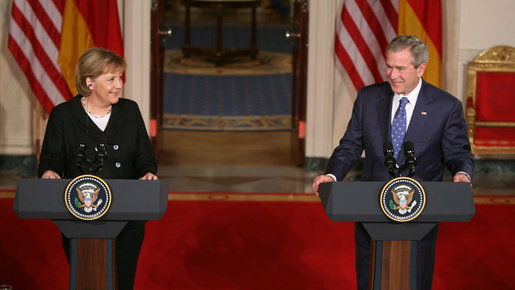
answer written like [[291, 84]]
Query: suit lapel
[[384, 109], [78, 111], [115, 121], [421, 114]]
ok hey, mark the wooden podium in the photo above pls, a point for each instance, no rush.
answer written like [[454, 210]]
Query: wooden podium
[[92, 248], [393, 249]]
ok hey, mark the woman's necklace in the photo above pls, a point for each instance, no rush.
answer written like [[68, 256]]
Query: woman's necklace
[[85, 106]]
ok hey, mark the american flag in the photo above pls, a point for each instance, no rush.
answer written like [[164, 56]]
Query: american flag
[[34, 41], [365, 27]]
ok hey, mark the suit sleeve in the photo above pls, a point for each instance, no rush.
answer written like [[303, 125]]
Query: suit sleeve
[[351, 145], [455, 143], [53, 152], [145, 159]]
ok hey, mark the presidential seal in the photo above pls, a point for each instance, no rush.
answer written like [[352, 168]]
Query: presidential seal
[[402, 199], [87, 197]]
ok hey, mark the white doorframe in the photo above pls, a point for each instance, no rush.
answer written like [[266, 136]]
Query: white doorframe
[[136, 41]]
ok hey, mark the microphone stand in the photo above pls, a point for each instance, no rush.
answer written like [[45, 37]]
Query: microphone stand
[[100, 156], [90, 166], [389, 160], [80, 154], [411, 161]]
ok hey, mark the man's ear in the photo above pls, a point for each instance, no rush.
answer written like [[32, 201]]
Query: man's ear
[[421, 68]]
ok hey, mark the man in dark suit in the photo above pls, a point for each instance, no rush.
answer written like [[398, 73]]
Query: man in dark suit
[[434, 123]]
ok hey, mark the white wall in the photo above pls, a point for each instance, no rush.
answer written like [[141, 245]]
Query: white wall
[[17, 103], [321, 77], [136, 42], [486, 23]]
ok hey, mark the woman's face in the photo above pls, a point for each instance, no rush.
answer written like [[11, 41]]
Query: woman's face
[[106, 88]]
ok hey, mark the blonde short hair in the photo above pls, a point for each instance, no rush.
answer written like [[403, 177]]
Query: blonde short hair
[[93, 63]]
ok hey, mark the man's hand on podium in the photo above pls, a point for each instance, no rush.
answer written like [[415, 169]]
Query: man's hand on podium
[[320, 179], [461, 177]]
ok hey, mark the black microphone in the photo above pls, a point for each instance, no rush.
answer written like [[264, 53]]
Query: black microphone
[[389, 160], [80, 155], [100, 156], [411, 161]]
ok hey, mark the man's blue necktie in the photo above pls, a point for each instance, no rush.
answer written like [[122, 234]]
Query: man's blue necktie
[[399, 127]]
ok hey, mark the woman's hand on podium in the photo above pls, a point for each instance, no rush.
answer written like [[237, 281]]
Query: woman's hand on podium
[[50, 174], [149, 176]]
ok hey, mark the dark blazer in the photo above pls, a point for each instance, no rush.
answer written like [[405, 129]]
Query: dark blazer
[[437, 129], [129, 152]]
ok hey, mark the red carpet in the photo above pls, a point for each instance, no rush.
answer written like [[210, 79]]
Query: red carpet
[[259, 245]]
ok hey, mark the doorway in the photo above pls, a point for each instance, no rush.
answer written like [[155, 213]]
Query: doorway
[[219, 147]]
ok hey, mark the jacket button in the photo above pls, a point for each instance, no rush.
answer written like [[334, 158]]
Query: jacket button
[[115, 147], [118, 164]]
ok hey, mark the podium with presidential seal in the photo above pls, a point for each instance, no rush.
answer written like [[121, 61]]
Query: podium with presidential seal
[[396, 214], [91, 212]]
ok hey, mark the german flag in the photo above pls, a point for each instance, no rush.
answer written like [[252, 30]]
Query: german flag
[[87, 24], [424, 20]]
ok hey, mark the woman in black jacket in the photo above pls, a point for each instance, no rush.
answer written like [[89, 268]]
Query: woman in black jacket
[[99, 133]]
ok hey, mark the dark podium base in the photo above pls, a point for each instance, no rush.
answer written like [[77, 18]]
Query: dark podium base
[[388, 259], [92, 264]]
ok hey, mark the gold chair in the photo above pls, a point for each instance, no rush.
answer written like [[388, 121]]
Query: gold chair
[[491, 101]]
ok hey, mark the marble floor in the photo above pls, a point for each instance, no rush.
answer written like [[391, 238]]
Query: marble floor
[[219, 179], [269, 179], [247, 179]]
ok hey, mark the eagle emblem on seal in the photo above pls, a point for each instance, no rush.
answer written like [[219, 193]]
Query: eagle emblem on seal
[[88, 197], [402, 199]]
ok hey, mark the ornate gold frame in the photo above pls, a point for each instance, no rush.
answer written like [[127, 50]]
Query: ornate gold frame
[[495, 59]]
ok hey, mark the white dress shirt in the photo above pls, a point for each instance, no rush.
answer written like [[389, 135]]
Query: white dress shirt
[[410, 106]]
